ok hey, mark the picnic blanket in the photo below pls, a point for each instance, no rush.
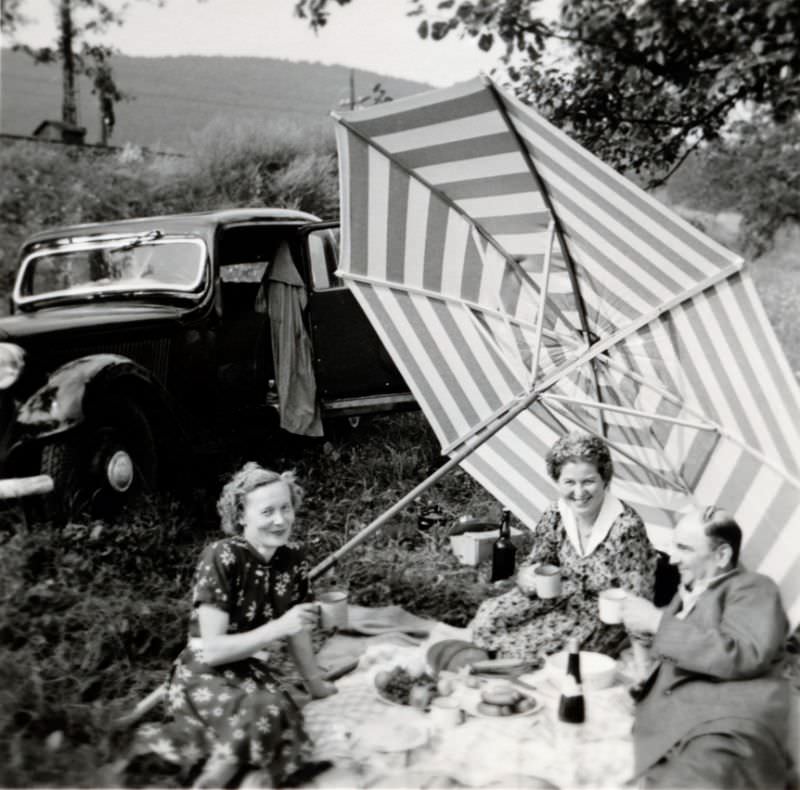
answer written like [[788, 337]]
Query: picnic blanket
[[371, 625], [478, 753]]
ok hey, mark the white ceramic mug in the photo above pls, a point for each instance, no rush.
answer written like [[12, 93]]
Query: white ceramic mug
[[333, 609], [445, 712], [548, 580], [609, 604]]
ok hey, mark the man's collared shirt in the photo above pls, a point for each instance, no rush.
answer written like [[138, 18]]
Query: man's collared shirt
[[689, 597]]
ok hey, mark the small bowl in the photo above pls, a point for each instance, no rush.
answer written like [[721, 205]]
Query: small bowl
[[598, 671]]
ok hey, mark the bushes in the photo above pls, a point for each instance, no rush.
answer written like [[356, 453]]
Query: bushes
[[248, 165], [754, 172], [90, 614]]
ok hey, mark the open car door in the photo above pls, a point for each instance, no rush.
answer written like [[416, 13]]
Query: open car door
[[353, 369]]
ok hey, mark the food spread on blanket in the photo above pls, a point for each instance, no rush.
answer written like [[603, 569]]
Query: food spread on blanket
[[503, 700], [397, 685], [478, 697]]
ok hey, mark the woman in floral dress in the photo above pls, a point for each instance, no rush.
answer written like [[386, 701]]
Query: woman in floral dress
[[230, 712], [597, 540]]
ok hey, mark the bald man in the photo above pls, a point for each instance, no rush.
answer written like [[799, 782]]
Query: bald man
[[713, 713]]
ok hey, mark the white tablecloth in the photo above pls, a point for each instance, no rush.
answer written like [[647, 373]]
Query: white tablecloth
[[479, 752]]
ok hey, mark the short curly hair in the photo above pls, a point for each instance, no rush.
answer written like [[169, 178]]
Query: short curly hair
[[580, 446], [250, 477]]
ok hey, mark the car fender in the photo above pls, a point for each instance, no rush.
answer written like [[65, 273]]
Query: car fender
[[66, 399]]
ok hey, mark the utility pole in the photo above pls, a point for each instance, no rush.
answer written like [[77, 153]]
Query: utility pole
[[69, 107], [352, 89]]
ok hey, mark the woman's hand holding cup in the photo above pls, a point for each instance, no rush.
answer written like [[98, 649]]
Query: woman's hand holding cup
[[542, 580], [300, 616]]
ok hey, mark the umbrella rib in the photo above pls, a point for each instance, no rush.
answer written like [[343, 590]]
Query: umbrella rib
[[624, 453], [664, 393], [537, 346], [632, 412], [602, 346], [580, 305], [415, 289], [479, 426], [713, 425], [507, 256]]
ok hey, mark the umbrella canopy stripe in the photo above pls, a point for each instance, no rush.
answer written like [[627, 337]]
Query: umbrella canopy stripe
[[458, 151], [604, 185], [597, 260], [723, 372], [619, 231], [739, 395], [460, 102], [735, 348], [443, 255], [790, 588], [469, 359], [462, 129], [447, 235], [778, 505], [766, 356]]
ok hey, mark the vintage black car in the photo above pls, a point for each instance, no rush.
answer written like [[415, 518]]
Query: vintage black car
[[133, 346]]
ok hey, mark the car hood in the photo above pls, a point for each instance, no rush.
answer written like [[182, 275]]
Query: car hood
[[16, 328]]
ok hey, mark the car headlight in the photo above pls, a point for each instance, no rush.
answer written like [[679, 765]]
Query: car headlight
[[12, 361]]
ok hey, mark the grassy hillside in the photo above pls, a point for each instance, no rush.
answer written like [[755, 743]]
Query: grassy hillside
[[174, 97]]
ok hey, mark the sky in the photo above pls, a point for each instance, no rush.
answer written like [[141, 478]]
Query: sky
[[374, 35]]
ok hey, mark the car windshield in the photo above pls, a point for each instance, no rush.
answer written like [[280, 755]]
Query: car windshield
[[130, 265]]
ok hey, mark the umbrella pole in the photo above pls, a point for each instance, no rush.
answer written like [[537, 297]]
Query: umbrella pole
[[456, 459]]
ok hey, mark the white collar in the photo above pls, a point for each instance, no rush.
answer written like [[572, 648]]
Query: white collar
[[610, 510]]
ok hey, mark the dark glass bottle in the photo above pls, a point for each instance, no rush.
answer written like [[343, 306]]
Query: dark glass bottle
[[504, 551], [571, 707]]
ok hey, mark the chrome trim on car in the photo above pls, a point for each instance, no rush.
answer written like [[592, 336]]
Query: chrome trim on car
[[124, 286], [15, 487]]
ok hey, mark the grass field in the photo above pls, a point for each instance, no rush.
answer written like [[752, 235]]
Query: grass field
[[91, 615]]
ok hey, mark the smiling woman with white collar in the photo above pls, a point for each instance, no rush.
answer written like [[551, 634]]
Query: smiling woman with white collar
[[230, 710], [595, 539]]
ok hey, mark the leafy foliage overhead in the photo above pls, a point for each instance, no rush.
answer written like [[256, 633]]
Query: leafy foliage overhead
[[639, 82]]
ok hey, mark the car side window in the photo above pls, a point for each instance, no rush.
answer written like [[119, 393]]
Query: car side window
[[322, 250], [243, 272]]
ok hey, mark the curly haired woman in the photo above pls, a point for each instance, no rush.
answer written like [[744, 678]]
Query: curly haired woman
[[597, 540], [230, 711]]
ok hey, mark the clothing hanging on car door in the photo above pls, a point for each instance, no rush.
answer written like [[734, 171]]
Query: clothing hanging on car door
[[286, 300]]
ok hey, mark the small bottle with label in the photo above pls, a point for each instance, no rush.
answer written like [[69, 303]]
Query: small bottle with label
[[504, 551], [571, 716], [571, 705]]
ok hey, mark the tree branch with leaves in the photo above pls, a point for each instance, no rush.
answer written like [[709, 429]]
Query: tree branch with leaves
[[638, 82]]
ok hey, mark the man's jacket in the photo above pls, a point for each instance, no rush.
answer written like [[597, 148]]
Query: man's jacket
[[718, 669]]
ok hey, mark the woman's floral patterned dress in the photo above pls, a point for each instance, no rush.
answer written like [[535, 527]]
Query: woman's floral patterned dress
[[517, 626], [238, 711]]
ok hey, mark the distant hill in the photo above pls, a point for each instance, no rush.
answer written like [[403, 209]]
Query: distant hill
[[175, 96]]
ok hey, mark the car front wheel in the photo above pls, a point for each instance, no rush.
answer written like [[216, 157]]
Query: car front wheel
[[103, 465]]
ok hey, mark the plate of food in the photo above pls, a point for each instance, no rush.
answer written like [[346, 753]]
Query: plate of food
[[501, 700], [397, 686]]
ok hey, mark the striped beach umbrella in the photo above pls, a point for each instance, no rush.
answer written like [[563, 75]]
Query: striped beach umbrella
[[509, 272]]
